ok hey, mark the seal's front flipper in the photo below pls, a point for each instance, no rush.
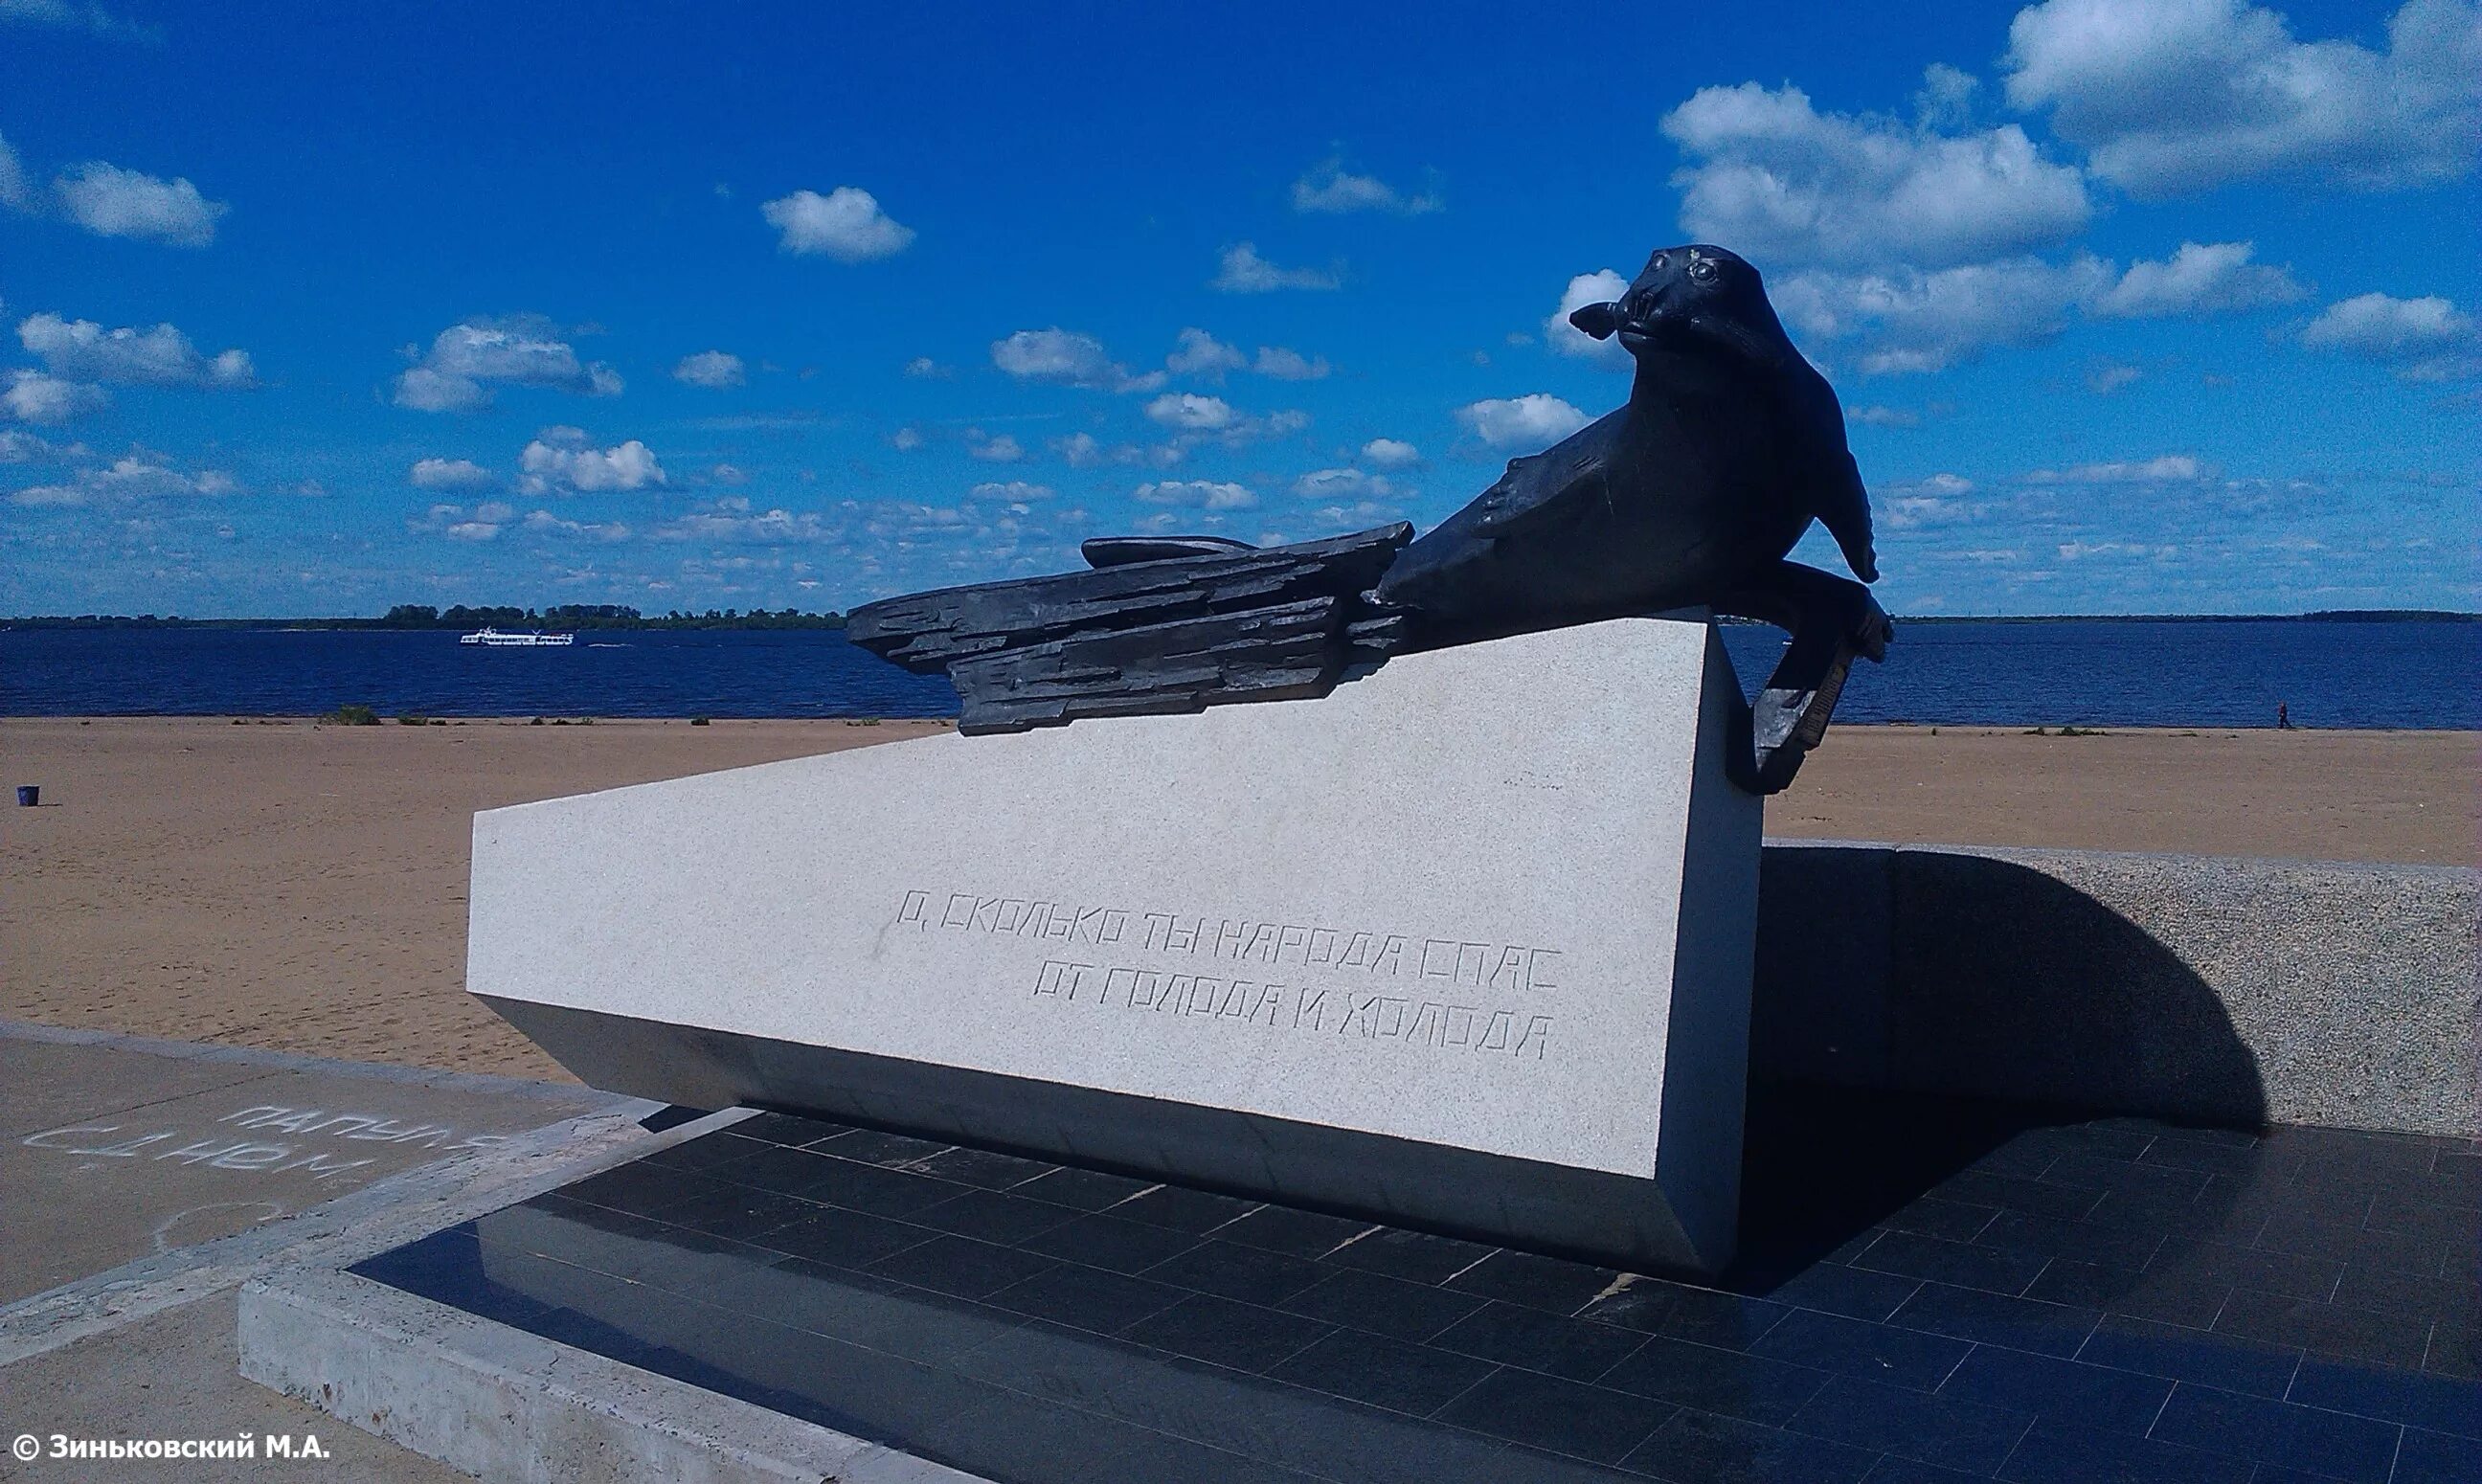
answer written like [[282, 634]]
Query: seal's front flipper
[[1831, 622], [1121, 550]]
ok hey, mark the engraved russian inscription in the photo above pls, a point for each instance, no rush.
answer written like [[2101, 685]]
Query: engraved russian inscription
[[1360, 983]]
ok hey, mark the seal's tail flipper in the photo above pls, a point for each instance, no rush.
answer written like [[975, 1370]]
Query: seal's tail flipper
[[1160, 624], [1120, 550], [1832, 623]]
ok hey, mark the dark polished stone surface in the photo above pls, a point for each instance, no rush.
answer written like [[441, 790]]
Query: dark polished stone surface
[[1929, 1291]]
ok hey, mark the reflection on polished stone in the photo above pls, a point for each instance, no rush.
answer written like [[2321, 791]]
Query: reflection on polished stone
[[1924, 1285]]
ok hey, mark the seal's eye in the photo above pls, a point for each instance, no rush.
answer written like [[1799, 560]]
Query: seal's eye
[[1703, 271]]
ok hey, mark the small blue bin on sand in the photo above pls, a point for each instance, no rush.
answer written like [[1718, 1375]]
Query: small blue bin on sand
[[28, 794]]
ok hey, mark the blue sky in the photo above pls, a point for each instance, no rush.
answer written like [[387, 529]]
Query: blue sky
[[2162, 307]]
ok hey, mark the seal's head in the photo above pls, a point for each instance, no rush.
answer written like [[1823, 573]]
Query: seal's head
[[1694, 298]]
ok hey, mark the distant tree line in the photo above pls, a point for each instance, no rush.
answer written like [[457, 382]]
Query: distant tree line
[[576, 616]]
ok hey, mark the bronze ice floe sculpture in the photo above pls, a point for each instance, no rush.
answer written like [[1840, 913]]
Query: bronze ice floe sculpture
[[1690, 495]]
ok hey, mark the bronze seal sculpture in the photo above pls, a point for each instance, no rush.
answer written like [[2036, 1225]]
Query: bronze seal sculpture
[[1690, 495]]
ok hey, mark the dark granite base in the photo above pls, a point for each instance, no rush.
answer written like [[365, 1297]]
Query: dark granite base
[[1929, 1291]]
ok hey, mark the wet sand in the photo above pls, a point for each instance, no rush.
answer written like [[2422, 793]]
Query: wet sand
[[302, 887]]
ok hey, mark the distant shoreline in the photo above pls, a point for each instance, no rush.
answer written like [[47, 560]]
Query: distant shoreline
[[790, 620]]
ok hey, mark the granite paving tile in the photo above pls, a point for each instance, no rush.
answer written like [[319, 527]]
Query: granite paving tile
[[2077, 1240], [1383, 1305], [1514, 1335], [2308, 1232], [1561, 1416], [992, 1216], [739, 1211], [1892, 1470], [1181, 1209], [1086, 1298], [787, 1129], [1965, 1264], [881, 1192], [1231, 1270], [1298, 1233], [1870, 1352], [447, 1267], [843, 1238], [960, 1266], [2180, 1354], [2455, 1347], [2427, 1457], [2173, 1298], [1107, 1241], [1725, 1381], [1547, 1284], [1244, 1337], [1417, 1257], [1997, 1319], [2327, 1329], [2405, 1294], [1933, 1216], [2444, 1404], [1850, 1292], [1700, 1447], [2359, 1449], [638, 1187], [2070, 1392], [873, 1145], [1383, 1372], [2017, 1193], [1086, 1190], [2159, 1183], [1940, 1430], [700, 1156], [2291, 1274], [2056, 1453], [770, 1167], [984, 1168], [1708, 1317]]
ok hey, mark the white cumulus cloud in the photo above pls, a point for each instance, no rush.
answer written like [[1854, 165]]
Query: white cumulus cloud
[[1780, 181], [1196, 494], [2176, 96], [1527, 424], [32, 396], [2428, 338], [713, 369], [162, 357], [2163, 469], [130, 478], [1202, 354], [1911, 321], [465, 361], [1067, 357], [1003, 449], [1191, 411], [846, 225], [13, 190], [448, 474], [558, 463], [1329, 188], [1242, 271], [2200, 279], [1284, 365], [110, 201], [1013, 491], [1347, 487], [1601, 286], [1390, 454]]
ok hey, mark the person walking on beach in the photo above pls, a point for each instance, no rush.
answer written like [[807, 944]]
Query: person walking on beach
[[2283, 717]]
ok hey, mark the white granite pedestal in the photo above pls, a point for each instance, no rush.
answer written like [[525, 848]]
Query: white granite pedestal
[[1464, 946]]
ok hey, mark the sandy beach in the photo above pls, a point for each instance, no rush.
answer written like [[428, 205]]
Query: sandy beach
[[302, 887]]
